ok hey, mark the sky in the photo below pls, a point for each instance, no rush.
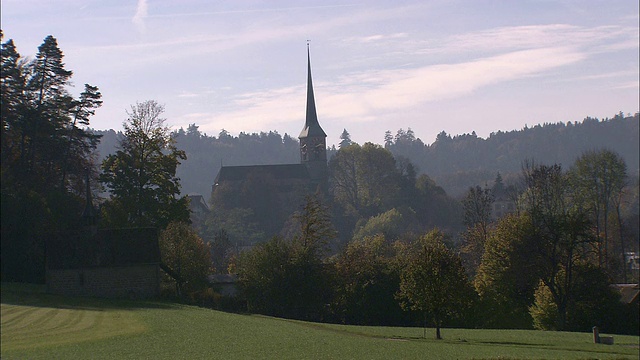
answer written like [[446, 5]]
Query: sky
[[432, 66]]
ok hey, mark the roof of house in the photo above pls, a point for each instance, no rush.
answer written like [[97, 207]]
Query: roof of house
[[197, 200], [628, 292], [281, 171]]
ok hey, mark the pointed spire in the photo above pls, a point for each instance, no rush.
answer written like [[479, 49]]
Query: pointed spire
[[311, 125]]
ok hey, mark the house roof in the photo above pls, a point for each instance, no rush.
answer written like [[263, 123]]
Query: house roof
[[278, 172], [311, 127], [628, 292], [197, 200]]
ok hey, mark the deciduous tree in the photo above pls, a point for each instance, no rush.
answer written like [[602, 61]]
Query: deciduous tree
[[141, 175], [599, 178], [477, 205], [433, 281], [186, 255], [364, 179], [288, 278], [508, 273], [367, 280], [561, 229]]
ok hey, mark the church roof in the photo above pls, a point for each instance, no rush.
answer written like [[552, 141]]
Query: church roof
[[279, 172], [311, 127]]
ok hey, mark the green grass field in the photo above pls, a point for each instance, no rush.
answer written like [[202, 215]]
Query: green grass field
[[40, 326]]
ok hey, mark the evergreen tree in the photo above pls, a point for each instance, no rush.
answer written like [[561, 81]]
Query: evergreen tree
[[42, 145], [345, 139], [12, 103], [80, 141], [388, 139]]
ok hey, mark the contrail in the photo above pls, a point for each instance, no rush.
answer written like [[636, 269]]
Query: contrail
[[141, 14]]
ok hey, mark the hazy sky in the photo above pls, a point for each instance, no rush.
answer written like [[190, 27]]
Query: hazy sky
[[457, 66]]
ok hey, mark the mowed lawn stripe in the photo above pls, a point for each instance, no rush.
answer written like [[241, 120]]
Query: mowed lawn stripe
[[31, 327]]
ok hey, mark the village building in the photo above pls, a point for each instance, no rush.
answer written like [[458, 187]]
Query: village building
[[290, 179]]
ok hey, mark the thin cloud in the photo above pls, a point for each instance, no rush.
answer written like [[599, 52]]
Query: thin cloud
[[140, 15], [375, 38], [628, 85], [609, 38], [408, 88], [364, 97], [256, 10]]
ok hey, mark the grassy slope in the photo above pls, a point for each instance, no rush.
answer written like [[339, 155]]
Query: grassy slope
[[39, 326]]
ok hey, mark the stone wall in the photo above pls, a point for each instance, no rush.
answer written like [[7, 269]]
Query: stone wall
[[133, 281]]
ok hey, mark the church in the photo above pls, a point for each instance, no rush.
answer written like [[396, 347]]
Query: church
[[289, 179]]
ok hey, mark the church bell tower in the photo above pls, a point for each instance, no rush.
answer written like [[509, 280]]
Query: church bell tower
[[313, 140]]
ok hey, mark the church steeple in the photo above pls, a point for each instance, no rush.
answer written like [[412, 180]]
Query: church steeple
[[311, 127], [313, 140]]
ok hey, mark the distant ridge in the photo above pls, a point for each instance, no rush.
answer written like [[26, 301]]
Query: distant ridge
[[454, 162]]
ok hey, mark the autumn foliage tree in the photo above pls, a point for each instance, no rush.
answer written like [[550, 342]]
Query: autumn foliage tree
[[186, 256]]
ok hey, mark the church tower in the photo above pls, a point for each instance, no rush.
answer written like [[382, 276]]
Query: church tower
[[313, 140]]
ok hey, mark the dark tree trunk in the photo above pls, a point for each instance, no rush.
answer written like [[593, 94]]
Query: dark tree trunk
[[438, 323]]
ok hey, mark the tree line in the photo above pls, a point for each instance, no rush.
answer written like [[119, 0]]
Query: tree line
[[546, 265], [455, 162], [459, 161]]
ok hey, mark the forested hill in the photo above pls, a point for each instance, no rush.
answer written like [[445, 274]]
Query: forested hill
[[457, 162], [454, 162]]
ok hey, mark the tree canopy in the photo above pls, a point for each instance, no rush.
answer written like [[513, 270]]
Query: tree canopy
[[433, 281], [141, 175]]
